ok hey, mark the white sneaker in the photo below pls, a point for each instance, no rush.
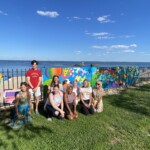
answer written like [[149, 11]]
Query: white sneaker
[[49, 119], [95, 110]]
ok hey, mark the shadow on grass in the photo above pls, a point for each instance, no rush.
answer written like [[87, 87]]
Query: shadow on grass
[[133, 100], [26, 133], [145, 88], [41, 110]]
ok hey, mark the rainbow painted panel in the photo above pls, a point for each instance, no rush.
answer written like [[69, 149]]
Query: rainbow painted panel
[[110, 77], [67, 73]]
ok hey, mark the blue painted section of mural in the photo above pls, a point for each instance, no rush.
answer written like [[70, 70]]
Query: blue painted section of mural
[[110, 77], [118, 76]]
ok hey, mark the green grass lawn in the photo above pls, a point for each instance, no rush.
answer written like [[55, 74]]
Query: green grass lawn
[[124, 125]]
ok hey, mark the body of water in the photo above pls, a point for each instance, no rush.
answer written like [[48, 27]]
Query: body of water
[[15, 64]]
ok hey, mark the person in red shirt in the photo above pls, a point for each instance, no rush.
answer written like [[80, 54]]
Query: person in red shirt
[[34, 78]]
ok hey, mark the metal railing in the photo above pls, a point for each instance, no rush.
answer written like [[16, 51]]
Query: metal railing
[[11, 79], [144, 74]]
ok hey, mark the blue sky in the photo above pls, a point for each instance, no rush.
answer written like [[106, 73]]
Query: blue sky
[[75, 30]]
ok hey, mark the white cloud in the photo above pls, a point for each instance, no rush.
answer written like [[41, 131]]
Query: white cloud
[[100, 35], [78, 18], [88, 18], [77, 52], [105, 37], [119, 47], [3, 13], [129, 51], [133, 45], [51, 14], [123, 46], [105, 19], [126, 36], [75, 17], [116, 48], [87, 33], [100, 47]]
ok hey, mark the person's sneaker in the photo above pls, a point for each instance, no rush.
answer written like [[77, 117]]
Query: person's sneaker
[[49, 119], [36, 112], [60, 118], [7, 120]]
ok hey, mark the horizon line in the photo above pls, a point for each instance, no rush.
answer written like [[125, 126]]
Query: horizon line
[[76, 61]]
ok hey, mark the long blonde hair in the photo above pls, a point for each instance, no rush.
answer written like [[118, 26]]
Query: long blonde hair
[[100, 84], [100, 87]]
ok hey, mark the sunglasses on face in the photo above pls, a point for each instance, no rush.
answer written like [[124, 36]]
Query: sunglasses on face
[[97, 83]]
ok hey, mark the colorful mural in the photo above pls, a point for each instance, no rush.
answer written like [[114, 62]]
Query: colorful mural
[[80, 74], [116, 76], [110, 77]]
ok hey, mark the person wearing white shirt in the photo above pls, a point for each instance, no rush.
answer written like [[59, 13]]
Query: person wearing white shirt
[[86, 98]]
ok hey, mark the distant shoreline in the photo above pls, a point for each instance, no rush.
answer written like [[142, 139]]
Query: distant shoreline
[[26, 64], [80, 61]]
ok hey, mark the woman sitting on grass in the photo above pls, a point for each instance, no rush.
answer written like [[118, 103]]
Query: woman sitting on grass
[[23, 107], [54, 104], [70, 103], [86, 98], [97, 96], [23, 103]]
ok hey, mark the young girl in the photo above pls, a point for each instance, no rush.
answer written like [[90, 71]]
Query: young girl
[[70, 103]]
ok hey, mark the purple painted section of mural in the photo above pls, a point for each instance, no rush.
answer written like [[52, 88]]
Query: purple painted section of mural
[[110, 77]]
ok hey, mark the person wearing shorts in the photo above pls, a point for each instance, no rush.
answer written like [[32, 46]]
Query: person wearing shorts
[[34, 78]]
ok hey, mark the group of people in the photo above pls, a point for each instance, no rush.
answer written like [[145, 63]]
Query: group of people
[[62, 99]]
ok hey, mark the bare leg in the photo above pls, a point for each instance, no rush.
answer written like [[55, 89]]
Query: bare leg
[[36, 103]]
